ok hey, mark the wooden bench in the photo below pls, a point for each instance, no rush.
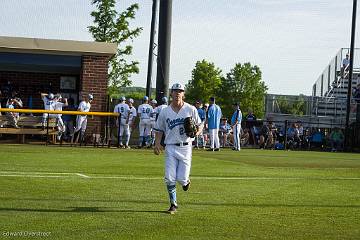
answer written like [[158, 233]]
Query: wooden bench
[[28, 125]]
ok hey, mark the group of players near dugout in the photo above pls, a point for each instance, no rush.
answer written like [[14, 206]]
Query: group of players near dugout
[[149, 111]]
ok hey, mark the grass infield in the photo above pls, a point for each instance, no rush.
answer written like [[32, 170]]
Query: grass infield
[[87, 193]]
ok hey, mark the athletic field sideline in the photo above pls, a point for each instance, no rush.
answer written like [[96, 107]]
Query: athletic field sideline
[[98, 193]]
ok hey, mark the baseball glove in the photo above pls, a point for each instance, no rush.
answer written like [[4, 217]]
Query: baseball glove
[[190, 127]]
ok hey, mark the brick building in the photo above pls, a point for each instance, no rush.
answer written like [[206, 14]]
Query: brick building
[[71, 68]]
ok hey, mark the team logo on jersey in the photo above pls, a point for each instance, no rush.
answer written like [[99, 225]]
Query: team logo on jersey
[[173, 123]]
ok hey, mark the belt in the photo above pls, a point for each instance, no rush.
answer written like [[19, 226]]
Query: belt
[[180, 144]]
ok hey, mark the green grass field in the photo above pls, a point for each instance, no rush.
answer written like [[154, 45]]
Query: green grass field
[[87, 193]]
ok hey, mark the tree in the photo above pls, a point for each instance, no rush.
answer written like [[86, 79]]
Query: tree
[[110, 26], [205, 82], [243, 84], [294, 106]]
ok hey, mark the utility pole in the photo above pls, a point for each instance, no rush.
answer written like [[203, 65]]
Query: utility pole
[[151, 49], [351, 66], [164, 43]]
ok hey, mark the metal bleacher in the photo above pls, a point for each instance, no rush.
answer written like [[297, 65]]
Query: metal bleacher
[[329, 97]]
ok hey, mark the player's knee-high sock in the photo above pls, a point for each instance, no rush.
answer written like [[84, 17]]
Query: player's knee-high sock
[[127, 139], [172, 194], [141, 139]]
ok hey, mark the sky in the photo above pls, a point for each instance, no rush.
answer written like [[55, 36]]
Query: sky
[[292, 41]]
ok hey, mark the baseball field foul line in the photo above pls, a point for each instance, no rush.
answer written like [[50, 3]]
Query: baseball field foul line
[[129, 177]]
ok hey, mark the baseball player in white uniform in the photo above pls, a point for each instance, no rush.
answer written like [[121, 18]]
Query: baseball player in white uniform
[[159, 108], [131, 120], [49, 101], [122, 121], [236, 125], [81, 120], [178, 149], [153, 116], [58, 106], [144, 113]]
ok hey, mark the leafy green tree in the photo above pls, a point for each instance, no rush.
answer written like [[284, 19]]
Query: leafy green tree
[[205, 82], [243, 84], [113, 27], [294, 106]]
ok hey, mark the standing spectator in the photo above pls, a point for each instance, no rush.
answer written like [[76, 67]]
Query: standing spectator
[[250, 124], [144, 112], [121, 122], [336, 139], [345, 65], [236, 124], [214, 115], [81, 120], [69, 119], [202, 115]]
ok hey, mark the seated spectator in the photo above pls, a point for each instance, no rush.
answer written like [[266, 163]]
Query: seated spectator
[[224, 132], [13, 117], [266, 136], [336, 139], [244, 137], [293, 136], [317, 139]]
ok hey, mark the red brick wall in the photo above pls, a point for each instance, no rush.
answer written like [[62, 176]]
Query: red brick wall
[[93, 79]]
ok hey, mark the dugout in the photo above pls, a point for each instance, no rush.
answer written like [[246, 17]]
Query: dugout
[[71, 68]]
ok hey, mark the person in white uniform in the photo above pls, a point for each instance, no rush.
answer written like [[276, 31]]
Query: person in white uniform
[[49, 104], [236, 126], [178, 146], [122, 121], [144, 113], [59, 103], [81, 120], [131, 121]]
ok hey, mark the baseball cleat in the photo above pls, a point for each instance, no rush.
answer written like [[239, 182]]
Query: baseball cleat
[[187, 186], [217, 149], [172, 209], [210, 150]]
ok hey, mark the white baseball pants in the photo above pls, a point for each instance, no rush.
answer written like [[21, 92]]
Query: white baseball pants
[[144, 127], [237, 136], [214, 138], [177, 164]]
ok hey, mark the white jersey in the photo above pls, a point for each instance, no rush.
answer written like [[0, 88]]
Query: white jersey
[[123, 109], [160, 108], [48, 104], [145, 111], [58, 106], [132, 113], [172, 123], [84, 107], [153, 114]]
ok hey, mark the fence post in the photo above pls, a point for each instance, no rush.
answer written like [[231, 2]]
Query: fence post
[[47, 129], [285, 132]]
